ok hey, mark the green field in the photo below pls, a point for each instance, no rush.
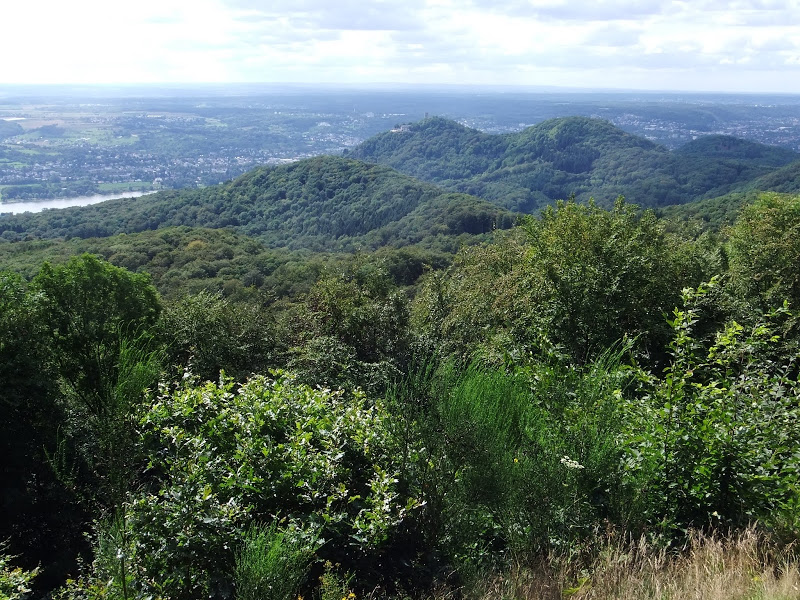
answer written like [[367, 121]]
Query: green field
[[126, 186]]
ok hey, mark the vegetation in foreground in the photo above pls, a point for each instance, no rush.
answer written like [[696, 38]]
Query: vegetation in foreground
[[734, 567], [588, 406]]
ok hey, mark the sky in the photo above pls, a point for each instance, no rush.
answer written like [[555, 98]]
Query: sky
[[701, 45]]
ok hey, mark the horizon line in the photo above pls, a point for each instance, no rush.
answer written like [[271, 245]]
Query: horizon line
[[525, 88]]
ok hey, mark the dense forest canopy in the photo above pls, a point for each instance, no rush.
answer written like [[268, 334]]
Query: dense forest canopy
[[589, 369], [578, 156], [325, 203], [329, 379], [333, 204]]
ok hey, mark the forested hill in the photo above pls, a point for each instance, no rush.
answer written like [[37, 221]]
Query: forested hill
[[728, 147], [570, 156], [323, 203], [786, 179], [720, 211]]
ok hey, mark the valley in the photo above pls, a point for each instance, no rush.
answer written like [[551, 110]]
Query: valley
[[72, 141]]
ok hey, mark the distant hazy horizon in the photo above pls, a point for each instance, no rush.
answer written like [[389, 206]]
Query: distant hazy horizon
[[167, 89]]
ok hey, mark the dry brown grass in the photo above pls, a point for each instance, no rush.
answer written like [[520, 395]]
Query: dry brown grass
[[741, 567]]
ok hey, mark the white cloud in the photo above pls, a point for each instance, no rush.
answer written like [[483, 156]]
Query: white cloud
[[698, 44]]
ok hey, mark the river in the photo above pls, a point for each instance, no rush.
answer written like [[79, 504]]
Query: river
[[40, 205]]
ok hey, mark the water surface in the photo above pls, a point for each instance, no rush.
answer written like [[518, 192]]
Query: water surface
[[40, 205]]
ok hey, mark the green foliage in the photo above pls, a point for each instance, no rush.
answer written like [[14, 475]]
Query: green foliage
[[516, 463], [590, 402], [186, 261], [324, 203], [29, 415], [21, 348], [784, 180], [764, 251], [97, 318], [114, 557], [30, 419], [224, 457], [109, 577], [714, 441], [600, 275], [183, 260], [435, 149], [270, 565], [725, 146], [711, 214], [333, 585], [73, 381], [581, 279], [573, 156], [88, 304], [15, 583], [211, 334], [352, 328], [9, 129]]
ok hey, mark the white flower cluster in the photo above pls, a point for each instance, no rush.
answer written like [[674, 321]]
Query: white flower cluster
[[569, 463]]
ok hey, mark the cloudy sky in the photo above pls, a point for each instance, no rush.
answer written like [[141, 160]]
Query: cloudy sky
[[709, 45]]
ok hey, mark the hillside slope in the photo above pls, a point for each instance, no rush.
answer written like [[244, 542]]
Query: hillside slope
[[569, 156], [786, 180], [323, 203]]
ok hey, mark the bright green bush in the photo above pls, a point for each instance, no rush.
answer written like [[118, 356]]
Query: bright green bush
[[517, 463], [714, 441], [15, 583], [225, 456]]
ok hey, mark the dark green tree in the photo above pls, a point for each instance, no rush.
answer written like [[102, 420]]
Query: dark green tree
[[97, 319], [39, 517], [577, 279], [353, 327], [764, 251], [209, 334]]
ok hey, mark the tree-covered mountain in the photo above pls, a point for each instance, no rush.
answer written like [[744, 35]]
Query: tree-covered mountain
[[710, 213], [728, 147], [9, 128], [573, 156], [719, 211], [473, 180], [786, 180], [324, 203]]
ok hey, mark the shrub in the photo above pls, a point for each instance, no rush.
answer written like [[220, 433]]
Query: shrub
[[224, 457], [14, 581], [519, 462], [715, 440]]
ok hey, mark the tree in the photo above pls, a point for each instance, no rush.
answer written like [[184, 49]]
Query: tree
[[577, 279], [211, 333], [39, 517], [97, 319], [89, 306], [764, 250], [352, 328]]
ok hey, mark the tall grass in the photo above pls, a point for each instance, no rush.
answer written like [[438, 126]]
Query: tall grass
[[709, 567], [513, 461], [270, 566]]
